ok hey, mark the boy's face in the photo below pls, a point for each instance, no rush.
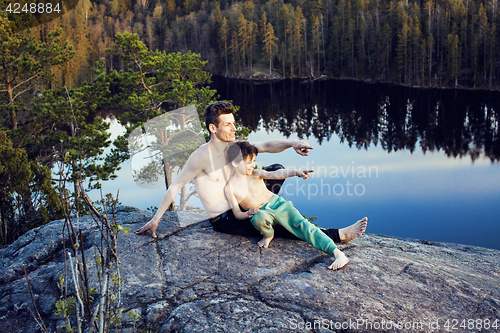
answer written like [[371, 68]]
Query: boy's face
[[246, 166]]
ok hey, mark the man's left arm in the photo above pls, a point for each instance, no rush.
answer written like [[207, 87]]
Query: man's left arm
[[277, 146]]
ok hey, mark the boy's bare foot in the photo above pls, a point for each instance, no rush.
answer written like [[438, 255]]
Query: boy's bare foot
[[340, 260], [353, 231], [264, 242], [148, 226]]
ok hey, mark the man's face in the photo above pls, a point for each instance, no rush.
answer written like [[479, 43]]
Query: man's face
[[226, 130]]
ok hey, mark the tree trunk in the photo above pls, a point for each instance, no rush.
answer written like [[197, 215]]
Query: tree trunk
[[13, 118], [168, 182], [183, 201]]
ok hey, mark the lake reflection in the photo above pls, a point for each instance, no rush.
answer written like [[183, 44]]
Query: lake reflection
[[458, 122], [419, 163]]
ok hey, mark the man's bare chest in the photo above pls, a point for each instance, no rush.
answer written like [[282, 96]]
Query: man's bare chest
[[219, 176]]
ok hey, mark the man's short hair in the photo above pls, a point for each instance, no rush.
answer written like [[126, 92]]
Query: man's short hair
[[240, 150], [214, 110]]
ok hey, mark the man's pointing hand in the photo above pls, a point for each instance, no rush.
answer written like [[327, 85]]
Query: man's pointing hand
[[302, 147]]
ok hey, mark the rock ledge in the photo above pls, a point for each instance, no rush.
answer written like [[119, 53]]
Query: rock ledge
[[193, 279]]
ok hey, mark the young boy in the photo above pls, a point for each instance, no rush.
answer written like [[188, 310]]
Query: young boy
[[246, 188]]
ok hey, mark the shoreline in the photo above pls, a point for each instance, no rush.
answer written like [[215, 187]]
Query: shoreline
[[265, 78]]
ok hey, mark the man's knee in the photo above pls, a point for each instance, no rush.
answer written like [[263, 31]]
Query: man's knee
[[274, 185], [274, 167]]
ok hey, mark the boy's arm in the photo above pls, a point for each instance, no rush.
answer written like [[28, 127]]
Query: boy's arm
[[283, 173], [235, 207], [277, 146]]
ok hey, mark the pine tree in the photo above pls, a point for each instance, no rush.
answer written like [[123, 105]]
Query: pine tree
[[27, 199], [482, 28], [223, 32], [492, 55], [177, 81], [349, 46], [362, 59], [284, 22], [243, 39], [387, 50], [270, 46], [252, 28], [298, 39], [416, 42], [156, 83], [402, 51], [453, 57], [171, 9], [24, 62], [234, 50], [316, 41]]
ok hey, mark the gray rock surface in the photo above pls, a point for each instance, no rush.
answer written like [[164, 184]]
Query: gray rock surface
[[193, 279]]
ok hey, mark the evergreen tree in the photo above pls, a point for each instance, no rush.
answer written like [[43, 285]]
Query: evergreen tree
[[362, 58], [243, 39], [299, 33], [270, 47], [481, 21], [453, 57], [284, 23], [23, 63], [156, 83], [27, 199], [234, 50], [402, 52], [316, 42], [223, 33]]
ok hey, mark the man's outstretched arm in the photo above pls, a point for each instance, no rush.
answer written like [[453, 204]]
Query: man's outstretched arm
[[277, 146], [190, 170]]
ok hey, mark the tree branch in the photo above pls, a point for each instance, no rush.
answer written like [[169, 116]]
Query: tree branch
[[190, 195], [21, 92], [29, 79], [39, 319]]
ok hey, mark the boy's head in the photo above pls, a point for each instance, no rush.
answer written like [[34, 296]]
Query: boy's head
[[241, 151], [213, 117]]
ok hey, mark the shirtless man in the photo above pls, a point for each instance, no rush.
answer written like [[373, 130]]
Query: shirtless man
[[208, 168]]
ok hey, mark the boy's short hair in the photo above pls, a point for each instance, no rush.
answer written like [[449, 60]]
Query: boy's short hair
[[240, 150], [214, 110]]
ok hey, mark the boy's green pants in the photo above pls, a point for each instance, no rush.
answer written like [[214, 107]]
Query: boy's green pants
[[278, 210]]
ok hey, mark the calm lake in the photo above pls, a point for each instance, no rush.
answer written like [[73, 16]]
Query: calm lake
[[419, 163]]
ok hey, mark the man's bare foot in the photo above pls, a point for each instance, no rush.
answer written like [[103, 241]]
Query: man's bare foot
[[353, 231], [264, 242], [340, 260], [148, 226]]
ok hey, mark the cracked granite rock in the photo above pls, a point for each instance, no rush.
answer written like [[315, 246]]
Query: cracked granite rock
[[193, 279]]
